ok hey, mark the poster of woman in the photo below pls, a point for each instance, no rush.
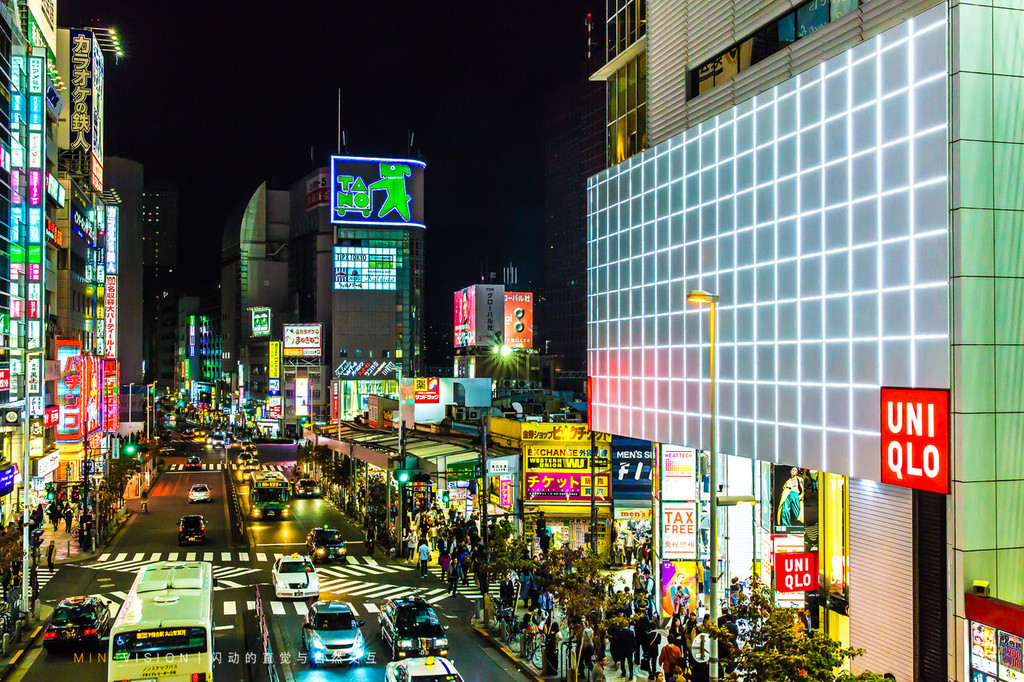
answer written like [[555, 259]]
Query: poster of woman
[[678, 587], [789, 499]]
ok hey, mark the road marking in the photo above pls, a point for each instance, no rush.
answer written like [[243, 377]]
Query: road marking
[[225, 556], [261, 557], [139, 557], [243, 556], [207, 556], [281, 544], [154, 557], [355, 612], [371, 607], [227, 584], [277, 608], [224, 627], [434, 594], [121, 557], [191, 556], [250, 605], [277, 556], [229, 608], [172, 556], [370, 560], [301, 608], [104, 557]]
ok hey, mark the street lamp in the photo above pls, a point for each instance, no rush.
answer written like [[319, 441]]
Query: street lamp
[[701, 298]]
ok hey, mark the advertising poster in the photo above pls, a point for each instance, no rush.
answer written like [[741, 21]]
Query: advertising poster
[[518, 319], [260, 321], [427, 390], [679, 530], [301, 397], [365, 268], [679, 582], [983, 648], [505, 491], [632, 469], [1010, 651], [679, 473], [465, 309], [558, 467], [302, 340], [794, 498]]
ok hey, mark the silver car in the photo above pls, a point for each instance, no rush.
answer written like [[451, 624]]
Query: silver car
[[330, 634]]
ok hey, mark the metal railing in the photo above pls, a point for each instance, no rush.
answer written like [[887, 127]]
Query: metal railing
[[268, 650]]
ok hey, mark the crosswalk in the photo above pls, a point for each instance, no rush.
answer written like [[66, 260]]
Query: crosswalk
[[130, 562], [471, 589], [221, 466], [44, 575]]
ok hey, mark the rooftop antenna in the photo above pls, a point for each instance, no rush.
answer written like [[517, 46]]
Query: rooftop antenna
[[339, 121], [412, 140]]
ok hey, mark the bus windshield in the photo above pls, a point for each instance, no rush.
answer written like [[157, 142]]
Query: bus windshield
[[174, 641], [264, 495]]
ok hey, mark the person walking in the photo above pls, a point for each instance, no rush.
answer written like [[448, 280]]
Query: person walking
[[650, 644], [454, 575], [629, 545], [597, 673], [69, 516], [623, 645], [424, 557], [51, 551], [585, 660], [552, 638], [670, 656], [444, 559]]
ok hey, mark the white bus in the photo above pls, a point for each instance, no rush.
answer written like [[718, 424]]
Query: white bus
[[164, 630]]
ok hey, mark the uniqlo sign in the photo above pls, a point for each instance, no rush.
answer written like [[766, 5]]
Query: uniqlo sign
[[796, 571], [915, 438]]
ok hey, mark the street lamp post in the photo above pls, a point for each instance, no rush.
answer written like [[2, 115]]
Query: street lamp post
[[701, 298]]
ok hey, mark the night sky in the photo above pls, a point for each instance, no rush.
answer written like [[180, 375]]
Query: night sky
[[216, 97]]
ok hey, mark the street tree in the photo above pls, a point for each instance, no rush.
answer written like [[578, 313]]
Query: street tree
[[776, 648], [508, 551]]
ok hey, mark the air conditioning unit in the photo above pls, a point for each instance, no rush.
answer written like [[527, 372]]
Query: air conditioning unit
[[460, 414], [504, 383], [522, 383], [472, 414]]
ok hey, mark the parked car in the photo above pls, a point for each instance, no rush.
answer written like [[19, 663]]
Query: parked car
[[331, 634]]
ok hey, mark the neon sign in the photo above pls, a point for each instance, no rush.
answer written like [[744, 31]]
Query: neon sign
[[368, 191]]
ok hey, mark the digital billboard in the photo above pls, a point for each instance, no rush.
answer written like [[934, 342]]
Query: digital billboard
[[829, 249], [519, 319], [365, 268], [302, 340], [301, 397], [111, 395], [369, 191], [479, 310], [260, 321], [110, 316]]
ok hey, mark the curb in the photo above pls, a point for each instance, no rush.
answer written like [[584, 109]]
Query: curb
[[524, 667], [12, 664], [84, 556]]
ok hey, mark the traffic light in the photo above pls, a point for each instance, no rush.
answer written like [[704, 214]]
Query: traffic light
[[403, 475], [445, 496], [542, 525], [130, 449], [76, 494], [412, 476], [51, 494]]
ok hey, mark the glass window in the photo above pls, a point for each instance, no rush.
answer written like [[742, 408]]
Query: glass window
[[811, 17], [840, 8]]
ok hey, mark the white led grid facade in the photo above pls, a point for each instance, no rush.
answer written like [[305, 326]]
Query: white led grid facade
[[818, 211]]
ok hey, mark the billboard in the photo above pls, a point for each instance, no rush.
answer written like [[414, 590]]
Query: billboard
[[260, 321], [274, 407], [110, 316], [301, 397], [302, 340], [518, 319], [679, 530], [427, 390], [367, 369], [69, 391], [113, 224], [632, 469], [369, 191], [274, 361], [478, 309], [318, 192], [365, 268], [85, 122], [678, 473], [915, 438], [111, 395]]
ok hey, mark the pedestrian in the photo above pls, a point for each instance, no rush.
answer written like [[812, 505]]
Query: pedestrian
[[734, 592], [628, 545], [444, 559], [623, 645], [670, 656], [585, 662], [369, 539], [424, 557], [552, 638], [454, 574], [650, 644], [597, 673], [410, 545], [51, 550]]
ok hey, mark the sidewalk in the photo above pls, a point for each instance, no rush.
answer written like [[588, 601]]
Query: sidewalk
[[66, 547], [29, 638]]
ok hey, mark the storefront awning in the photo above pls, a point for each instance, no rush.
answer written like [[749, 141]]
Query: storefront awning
[[375, 447]]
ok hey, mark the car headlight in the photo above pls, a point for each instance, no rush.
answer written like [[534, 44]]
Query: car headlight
[[405, 643], [320, 551], [441, 641], [256, 513], [316, 643]]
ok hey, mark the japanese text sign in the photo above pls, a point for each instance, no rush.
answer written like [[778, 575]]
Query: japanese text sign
[[555, 486], [679, 530], [915, 438], [427, 390], [302, 340]]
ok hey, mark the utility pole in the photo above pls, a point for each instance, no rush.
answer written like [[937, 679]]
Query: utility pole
[[485, 492], [593, 491]]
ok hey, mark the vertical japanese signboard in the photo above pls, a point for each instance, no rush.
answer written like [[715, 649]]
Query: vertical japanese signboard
[[274, 362], [110, 315], [34, 237], [70, 398], [111, 398]]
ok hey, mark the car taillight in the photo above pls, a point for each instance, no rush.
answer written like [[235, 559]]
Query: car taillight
[[198, 677], [89, 631], [50, 634], [202, 528]]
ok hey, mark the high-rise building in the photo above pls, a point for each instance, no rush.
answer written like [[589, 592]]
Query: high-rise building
[[625, 72], [125, 178], [160, 278], [842, 175]]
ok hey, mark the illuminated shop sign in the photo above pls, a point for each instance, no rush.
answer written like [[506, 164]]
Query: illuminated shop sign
[[915, 438], [110, 316], [479, 315], [365, 268], [111, 238], [368, 191], [302, 340], [260, 321], [301, 397]]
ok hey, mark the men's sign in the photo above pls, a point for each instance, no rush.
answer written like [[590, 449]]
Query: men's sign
[[796, 571], [915, 438], [367, 191]]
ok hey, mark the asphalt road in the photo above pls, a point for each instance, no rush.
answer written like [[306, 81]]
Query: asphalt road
[[241, 568]]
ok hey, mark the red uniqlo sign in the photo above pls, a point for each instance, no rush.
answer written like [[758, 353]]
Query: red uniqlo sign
[[796, 571], [915, 438]]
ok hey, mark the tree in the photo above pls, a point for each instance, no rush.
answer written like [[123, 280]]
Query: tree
[[775, 648], [119, 472], [507, 551]]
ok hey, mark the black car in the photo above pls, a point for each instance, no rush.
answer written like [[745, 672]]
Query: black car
[[410, 627], [194, 462], [306, 487], [324, 544], [191, 528], [76, 622]]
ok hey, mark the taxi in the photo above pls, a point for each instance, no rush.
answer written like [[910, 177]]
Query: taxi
[[294, 576], [429, 669]]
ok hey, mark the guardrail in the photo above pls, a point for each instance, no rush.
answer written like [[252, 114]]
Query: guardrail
[[268, 650], [236, 506]]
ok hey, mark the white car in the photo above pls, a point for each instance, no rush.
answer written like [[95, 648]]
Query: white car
[[429, 669], [199, 492], [220, 440], [295, 576]]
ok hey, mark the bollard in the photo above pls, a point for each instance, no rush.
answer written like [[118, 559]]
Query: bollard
[[35, 609], [5, 644]]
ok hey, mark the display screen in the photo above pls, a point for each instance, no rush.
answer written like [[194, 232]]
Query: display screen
[[365, 268], [368, 191]]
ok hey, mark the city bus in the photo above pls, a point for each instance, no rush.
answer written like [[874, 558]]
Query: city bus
[[164, 629], [268, 495]]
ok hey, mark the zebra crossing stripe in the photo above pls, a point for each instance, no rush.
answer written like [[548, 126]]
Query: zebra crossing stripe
[[121, 557], [434, 594], [360, 570], [250, 605], [355, 611], [139, 557], [370, 560], [243, 556], [341, 586], [371, 607], [191, 556], [261, 557], [277, 608], [225, 556], [104, 557], [277, 555], [207, 556], [229, 608], [154, 557], [226, 584], [301, 608], [173, 556]]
